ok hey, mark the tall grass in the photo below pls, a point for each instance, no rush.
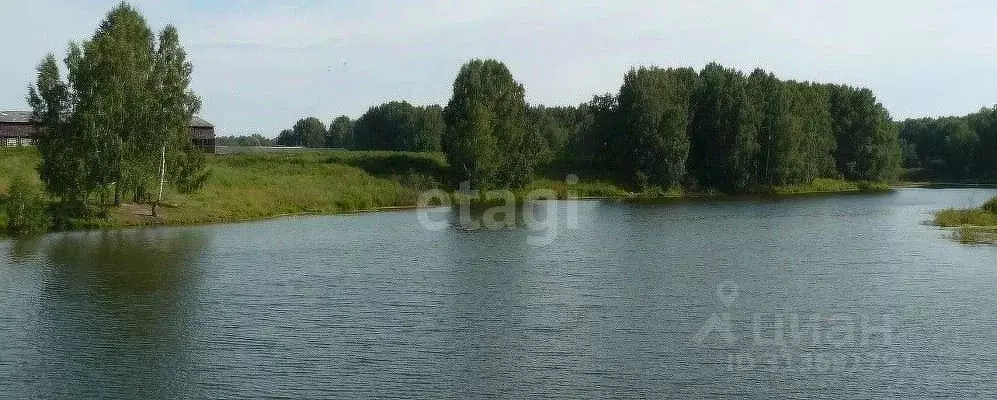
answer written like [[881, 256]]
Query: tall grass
[[827, 185], [975, 225], [18, 163], [260, 185], [951, 218]]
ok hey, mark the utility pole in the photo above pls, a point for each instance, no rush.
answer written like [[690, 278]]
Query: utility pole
[[162, 179]]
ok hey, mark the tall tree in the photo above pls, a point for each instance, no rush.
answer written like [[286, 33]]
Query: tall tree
[[176, 105], [724, 134], [310, 132], [596, 141], [655, 108], [486, 140], [126, 100], [286, 137], [868, 141], [340, 133], [984, 124], [399, 126], [66, 158]]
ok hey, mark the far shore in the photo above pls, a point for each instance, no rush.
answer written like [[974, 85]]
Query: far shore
[[259, 186]]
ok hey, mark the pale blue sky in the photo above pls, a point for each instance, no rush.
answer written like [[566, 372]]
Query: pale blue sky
[[259, 66]]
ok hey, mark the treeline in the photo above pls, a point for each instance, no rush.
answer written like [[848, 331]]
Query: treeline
[[952, 148], [725, 130], [714, 129], [250, 140], [395, 125]]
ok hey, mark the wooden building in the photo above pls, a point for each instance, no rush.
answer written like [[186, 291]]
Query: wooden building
[[202, 133], [17, 129]]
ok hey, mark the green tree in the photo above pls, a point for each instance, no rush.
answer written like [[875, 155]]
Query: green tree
[[724, 133], [126, 101], [340, 133], [287, 137], [960, 147], [595, 143], [310, 132], [399, 126], [252, 140], [486, 142], [779, 151], [66, 155], [24, 209], [174, 108], [429, 127], [654, 106], [868, 145], [984, 124]]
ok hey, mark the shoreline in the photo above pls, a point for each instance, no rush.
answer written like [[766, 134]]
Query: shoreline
[[135, 220], [632, 199], [260, 187]]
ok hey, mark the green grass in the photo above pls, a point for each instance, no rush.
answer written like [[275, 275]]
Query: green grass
[[262, 185], [18, 162], [259, 185], [974, 225], [825, 185], [952, 218], [579, 189], [975, 235]]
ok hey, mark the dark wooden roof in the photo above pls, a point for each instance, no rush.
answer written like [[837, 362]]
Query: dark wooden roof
[[198, 122], [15, 117], [18, 124], [24, 117]]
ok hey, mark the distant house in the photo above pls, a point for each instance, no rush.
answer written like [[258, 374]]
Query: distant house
[[17, 129], [202, 133]]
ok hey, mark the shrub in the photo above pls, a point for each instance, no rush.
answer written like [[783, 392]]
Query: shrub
[[24, 207], [991, 206]]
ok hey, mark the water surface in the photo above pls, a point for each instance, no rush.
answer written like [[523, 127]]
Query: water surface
[[376, 305]]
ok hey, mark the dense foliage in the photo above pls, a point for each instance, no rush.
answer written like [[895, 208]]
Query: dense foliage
[[22, 209], [125, 102], [307, 132], [398, 126], [952, 148], [715, 129], [720, 129], [487, 141], [340, 133], [251, 140]]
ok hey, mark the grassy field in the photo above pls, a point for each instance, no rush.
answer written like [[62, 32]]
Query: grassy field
[[263, 185]]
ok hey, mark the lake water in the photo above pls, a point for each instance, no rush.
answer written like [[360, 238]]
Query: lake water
[[824, 297]]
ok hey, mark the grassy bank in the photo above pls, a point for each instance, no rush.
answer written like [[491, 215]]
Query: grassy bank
[[974, 225], [18, 162], [263, 185], [824, 185], [257, 185]]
